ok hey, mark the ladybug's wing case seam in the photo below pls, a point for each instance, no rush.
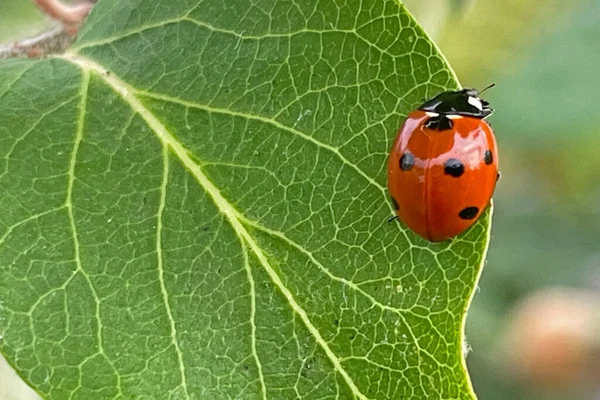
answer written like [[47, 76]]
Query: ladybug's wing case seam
[[445, 192]]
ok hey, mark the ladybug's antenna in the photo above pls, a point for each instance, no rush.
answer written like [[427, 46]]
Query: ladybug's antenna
[[488, 87]]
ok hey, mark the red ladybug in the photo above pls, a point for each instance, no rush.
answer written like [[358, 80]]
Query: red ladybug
[[443, 167]]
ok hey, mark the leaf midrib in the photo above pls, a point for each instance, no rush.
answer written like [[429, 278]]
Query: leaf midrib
[[127, 93]]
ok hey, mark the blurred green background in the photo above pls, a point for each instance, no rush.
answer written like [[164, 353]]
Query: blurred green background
[[19, 19], [544, 57]]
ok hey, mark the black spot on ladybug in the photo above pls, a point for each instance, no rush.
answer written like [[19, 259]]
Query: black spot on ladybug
[[468, 213], [440, 123], [395, 203], [488, 158], [454, 167], [407, 161]]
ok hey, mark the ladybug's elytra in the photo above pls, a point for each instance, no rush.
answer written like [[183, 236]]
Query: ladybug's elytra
[[443, 167]]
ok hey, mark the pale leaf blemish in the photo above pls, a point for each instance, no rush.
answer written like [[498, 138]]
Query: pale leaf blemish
[[301, 117]]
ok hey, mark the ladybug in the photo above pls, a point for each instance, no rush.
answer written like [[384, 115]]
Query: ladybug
[[443, 166]]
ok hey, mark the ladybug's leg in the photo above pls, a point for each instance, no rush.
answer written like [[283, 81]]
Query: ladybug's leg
[[389, 221]]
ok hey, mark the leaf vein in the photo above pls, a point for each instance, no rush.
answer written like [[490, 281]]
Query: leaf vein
[[224, 206], [69, 205], [269, 121], [259, 366], [341, 280], [161, 272]]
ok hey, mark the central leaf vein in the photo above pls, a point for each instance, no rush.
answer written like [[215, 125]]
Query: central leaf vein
[[234, 217]]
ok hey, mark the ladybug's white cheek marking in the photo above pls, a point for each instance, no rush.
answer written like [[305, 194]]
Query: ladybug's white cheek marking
[[431, 114], [475, 102], [454, 116]]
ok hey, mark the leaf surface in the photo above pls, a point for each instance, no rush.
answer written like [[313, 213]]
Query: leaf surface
[[193, 204]]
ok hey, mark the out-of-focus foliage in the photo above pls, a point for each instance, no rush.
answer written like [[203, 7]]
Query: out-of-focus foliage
[[556, 89], [495, 36], [434, 15], [23, 19]]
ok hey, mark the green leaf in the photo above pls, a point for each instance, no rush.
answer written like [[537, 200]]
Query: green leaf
[[193, 204]]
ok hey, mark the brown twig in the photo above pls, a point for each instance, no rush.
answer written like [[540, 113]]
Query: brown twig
[[68, 15], [54, 41], [57, 39]]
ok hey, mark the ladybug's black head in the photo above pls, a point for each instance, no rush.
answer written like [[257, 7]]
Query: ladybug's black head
[[465, 102]]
